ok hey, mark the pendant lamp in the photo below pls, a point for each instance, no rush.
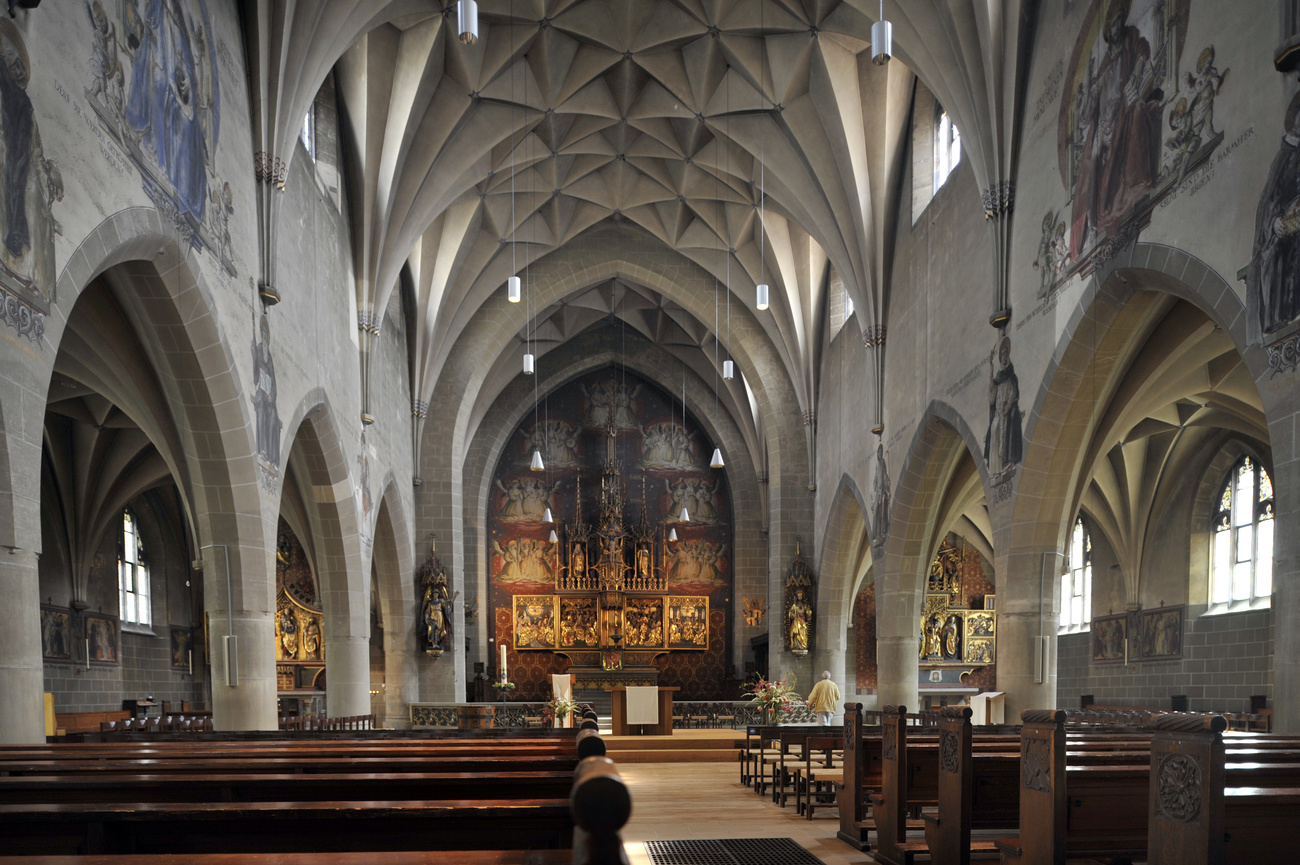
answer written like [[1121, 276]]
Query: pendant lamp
[[882, 39], [672, 534], [514, 289], [684, 516], [528, 363], [536, 465], [554, 538], [728, 370], [716, 462], [467, 21], [761, 300], [546, 517]]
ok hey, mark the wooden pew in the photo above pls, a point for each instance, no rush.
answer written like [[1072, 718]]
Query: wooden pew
[[1102, 810], [300, 822], [1196, 816], [420, 857]]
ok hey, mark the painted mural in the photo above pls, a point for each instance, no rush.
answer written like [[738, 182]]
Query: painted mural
[[30, 186], [265, 414], [154, 85], [663, 464], [1136, 120], [1273, 276]]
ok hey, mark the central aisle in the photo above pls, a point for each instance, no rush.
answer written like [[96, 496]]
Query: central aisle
[[672, 801]]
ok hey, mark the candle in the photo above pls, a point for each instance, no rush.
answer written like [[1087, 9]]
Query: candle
[[504, 677], [88, 653], [190, 657]]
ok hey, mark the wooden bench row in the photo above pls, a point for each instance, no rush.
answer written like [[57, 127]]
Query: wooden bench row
[[320, 722], [1085, 795], [148, 813]]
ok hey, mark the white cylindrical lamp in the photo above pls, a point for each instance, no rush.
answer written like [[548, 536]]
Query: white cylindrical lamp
[[514, 289], [882, 42], [728, 370], [530, 363], [762, 298], [467, 21]]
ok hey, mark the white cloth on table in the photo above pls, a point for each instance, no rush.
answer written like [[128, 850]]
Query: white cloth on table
[[642, 704], [562, 686]]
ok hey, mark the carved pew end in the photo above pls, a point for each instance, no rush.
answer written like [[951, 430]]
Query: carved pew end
[[601, 805]]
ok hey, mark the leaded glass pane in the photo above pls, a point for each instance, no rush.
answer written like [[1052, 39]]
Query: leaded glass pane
[[1265, 486], [1264, 560], [1221, 576], [1241, 514], [1244, 543], [1241, 581]]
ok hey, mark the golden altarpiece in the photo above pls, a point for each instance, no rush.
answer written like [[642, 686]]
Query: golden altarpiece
[[957, 633], [611, 612], [299, 628]]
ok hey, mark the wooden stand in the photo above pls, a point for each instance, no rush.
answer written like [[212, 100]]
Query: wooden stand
[[663, 728]]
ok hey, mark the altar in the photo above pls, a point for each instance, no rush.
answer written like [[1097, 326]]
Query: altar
[[621, 726]]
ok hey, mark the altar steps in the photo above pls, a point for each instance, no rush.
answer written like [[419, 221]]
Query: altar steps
[[684, 746]]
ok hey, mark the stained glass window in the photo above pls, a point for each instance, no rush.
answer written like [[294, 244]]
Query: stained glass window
[[133, 574], [947, 148], [1076, 582], [1241, 569]]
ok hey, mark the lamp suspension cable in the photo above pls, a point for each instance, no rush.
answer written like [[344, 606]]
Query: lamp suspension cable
[[684, 516], [513, 290], [761, 290], [716, 461]]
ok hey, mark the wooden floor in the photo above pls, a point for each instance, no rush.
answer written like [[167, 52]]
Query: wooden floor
[[706, 800]]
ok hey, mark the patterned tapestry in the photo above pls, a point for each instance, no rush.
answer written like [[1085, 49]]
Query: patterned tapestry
[[662, 462]]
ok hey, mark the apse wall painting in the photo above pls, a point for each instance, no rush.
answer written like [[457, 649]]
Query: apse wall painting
[[30, 185], [155, 87], [1136, 121]]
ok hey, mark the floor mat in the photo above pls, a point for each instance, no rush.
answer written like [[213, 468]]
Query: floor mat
[[730, 851]]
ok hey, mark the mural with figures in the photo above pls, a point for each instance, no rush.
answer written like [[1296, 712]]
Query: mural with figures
[[1136, 120], [663, 463], [152, 81]]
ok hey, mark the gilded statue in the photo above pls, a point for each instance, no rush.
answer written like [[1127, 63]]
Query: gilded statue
[[951, 635], [436, 604], [798, 617], [311, 639], [288, 634]]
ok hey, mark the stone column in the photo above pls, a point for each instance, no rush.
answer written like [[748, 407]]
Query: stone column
[[250, 704], [897, 621], [1027, 585], [1286, 584], [22, 671], [401, 676], [347, 674]]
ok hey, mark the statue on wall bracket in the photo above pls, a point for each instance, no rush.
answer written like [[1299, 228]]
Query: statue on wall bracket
[[798, 605], [436, 604]]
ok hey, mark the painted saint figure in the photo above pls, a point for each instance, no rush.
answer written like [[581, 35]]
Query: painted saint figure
[[1004, 441], [880, 500], [163, 109], [1119, 130], [1275, 264], [29, 183]]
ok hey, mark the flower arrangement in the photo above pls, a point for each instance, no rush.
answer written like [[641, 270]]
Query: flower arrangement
[[560, 708], [504, 686], [775, 698]]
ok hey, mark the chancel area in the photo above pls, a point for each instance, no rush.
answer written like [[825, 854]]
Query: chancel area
[[389, 389]]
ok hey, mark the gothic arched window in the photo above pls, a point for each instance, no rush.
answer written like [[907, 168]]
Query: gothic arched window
[[1076, 582], [947, 148], [1241, 573], [133, 574]]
